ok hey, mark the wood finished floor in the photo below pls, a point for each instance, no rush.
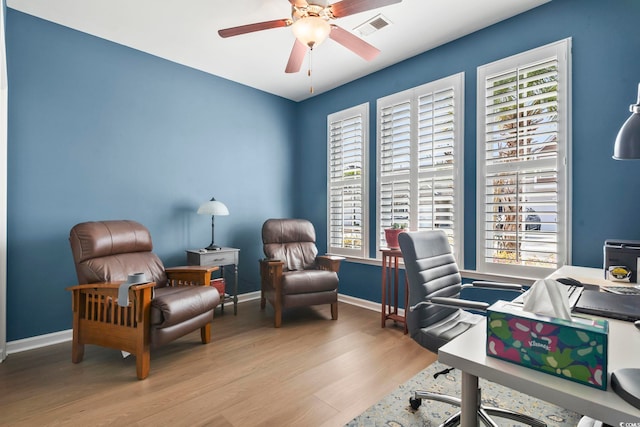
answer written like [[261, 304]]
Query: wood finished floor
[[311, 372]]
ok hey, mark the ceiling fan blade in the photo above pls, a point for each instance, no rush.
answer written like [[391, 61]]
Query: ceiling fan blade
[[353, 43], [349, 7], [297, 55], [298, 3], [250, 28]]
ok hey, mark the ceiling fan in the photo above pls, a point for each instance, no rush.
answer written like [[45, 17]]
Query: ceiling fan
[[310, 24]]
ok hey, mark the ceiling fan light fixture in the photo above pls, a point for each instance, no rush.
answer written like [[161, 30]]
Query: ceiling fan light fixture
[[311, 30]]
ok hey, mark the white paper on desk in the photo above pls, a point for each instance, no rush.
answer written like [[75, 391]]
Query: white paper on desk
[[549, 298]]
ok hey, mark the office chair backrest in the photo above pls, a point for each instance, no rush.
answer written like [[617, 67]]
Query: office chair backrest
[[431, 271], [292, 241]]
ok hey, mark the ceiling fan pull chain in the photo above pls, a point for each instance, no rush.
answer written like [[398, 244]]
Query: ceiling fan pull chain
[[309, 71]]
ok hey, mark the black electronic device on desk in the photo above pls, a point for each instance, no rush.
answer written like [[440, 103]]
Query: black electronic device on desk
[[605, 304], [622, 253]]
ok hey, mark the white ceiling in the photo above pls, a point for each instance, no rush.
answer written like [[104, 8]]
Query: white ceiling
[[186, 32]]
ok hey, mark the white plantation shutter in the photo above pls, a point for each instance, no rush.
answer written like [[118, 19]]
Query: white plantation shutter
[[395, 166], [436, 161], [523, 189], [420, 160], [347, 192]]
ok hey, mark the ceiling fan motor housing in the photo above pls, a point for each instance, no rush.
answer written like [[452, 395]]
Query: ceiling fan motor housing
[[311, 9]]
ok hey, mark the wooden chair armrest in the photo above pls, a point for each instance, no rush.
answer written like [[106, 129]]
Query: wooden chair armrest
[[271, 261], [109, 285], [329, 262], [187, 275], [191, 268], [271, 267]]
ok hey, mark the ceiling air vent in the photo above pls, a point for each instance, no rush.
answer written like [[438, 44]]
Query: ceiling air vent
[[374, 24]]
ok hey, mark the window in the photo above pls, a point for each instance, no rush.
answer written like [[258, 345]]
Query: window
[[419, 160], [523, 162], [348, 143]]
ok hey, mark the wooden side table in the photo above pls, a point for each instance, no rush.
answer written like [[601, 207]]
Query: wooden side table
[[390, 283], [225, 257]]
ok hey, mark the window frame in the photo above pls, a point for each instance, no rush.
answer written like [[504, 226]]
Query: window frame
[[361, 110], [454, 82], [561, 50]]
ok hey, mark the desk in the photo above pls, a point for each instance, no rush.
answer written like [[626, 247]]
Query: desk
[[390, 283], [220, 258], [467, 353]]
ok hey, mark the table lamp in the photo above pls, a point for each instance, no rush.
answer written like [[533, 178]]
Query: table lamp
[[213, 208], [627, 146]]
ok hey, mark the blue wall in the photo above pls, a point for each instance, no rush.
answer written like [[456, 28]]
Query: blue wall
[[606, 73], [101, 131]]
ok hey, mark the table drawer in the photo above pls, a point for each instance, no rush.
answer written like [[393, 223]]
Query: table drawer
[[212, 258]]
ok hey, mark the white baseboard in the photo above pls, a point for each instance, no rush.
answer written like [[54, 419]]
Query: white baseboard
[[363, 303], [40, 341], [250, 296]]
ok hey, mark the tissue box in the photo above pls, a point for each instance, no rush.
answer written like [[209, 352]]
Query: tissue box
[[575, 350]]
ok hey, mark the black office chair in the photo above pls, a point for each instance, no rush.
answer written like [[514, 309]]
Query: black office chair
[[436, 313]]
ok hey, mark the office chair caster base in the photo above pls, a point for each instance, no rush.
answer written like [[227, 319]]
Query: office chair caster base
[[415, 403], [484, 412]]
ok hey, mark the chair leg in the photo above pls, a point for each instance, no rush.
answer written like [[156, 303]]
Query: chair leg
[[452, 421], [143, 363], [205, 333], [511, 415], [277, 321], [143, 344], [485, 419], [77, 351], [334, 311], [427, 395]]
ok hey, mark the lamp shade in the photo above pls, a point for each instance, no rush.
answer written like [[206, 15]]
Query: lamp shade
[[311, 30], [213, 207], [627, 146]]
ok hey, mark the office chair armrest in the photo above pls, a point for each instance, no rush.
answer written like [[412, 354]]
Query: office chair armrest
[[453, 303], [494, 285]]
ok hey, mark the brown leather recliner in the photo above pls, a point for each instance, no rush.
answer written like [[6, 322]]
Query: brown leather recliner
[[175, 302], [293, 275]]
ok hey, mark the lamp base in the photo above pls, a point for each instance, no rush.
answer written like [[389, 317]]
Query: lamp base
[[213, 247]]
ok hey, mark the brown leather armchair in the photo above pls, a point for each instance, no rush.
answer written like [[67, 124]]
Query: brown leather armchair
[[175, 302], [292, 274]]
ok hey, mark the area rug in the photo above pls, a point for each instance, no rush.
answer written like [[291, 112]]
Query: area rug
[[394, 410]]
